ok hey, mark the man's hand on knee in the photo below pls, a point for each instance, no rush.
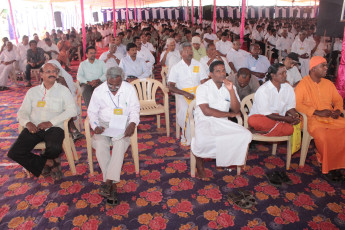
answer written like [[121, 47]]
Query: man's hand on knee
[[31, 127], [45, 125], [130, 129]]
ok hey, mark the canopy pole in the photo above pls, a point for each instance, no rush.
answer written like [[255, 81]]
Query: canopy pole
[[243, 18], [340, 83], [315, 9], [135, 12], [187, 17], [214, 16], [192, 13], [12, 19], [127, 14], [83, 26], [114, 19], [51, 6], [140, 11], [200, 12]]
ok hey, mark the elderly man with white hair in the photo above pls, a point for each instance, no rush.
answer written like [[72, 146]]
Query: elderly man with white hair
[[22, 52], [114, 113], [170, 56], [7, 57], [109, 57]]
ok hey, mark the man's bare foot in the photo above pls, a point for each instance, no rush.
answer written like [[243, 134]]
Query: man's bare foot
[[200, 167]]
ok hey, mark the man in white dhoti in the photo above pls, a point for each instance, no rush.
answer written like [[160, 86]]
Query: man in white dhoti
[[7, 58], [22, 51], [114, 113], [301, 46], [215, 135], [184, 77]]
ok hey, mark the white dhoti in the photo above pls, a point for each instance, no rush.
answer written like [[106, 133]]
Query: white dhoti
[[304, 66], [110, 164], [22, 65], [183, 120], [4, 72], [221, 139]]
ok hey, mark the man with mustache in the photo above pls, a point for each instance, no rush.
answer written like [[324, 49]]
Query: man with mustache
[[42, 113], [113, 102]]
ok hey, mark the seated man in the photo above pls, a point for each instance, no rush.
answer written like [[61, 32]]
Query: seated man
[[244, 82], [223, 46], [7, 58], [42, 113], [212, 56], [318, 98], [109, 57], [35, 59], [120, 48], [209, 36], [303, 48], [256, 63], [144, 53], [236, 56], [170, 56], [22, 51], [75, 44], [147, 44], [198, 51], [273, 112], [213, 130], [112, 101], [184, 78], [133, 66], [91, 73], [293, 75], [284, 43], [51, 49]]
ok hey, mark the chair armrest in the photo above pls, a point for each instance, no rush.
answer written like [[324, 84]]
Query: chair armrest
[[65, 127], [239, 120], [305, 122]]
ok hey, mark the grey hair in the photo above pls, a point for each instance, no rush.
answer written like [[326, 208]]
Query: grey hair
[[183, 45], [170, 40], [111, 44], [115, 72]]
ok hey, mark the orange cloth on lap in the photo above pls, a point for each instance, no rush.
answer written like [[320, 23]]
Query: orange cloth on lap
[[271, 127]]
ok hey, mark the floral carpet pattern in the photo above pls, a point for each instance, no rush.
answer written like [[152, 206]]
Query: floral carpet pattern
[[163, 195]]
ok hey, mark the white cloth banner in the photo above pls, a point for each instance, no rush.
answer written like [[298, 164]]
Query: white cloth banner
[[260, 12], [130, 15], [123, 14], [284, 13], [154, 13], [161, 11], [267, 11], [221, 12], [177, 14], [230, 12], [108, 15], [147, 15], [169, 13]]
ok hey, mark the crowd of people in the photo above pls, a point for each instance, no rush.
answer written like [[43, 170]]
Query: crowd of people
[[282, 62]]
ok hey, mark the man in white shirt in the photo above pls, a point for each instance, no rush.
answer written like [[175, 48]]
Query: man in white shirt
[[256, 63], [213, 130], [236, 57], [272, 41], [121, 48], [224, 46], [209, 37], [170, 56], [51, 49], [293, 74], [91, 73], [42, 113], [7, 57], [258, 37], [144, 53], [40, 43], [109, 57], [284, 43], [184, 78], [212, 56], [114, 105], [147, 44], [22, 51], [301, 46], [133, 66]]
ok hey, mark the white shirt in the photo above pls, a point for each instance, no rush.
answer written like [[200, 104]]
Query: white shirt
[[110, 62], [58, 107], [224, 47], [338, 45], [259, 65], [22, 51], [257, 36], [320, 50], [7, 56], [41, 44], [210, 37], [268, 100], [293, 75], [236, 30], [145, 54], [149, 46], [238, 58], [137, 68], [53, 47], [300, 47], [187, 76], [103, 103], [283, 43], [89, 72], [205, 59], [121, 51], [273, 40]]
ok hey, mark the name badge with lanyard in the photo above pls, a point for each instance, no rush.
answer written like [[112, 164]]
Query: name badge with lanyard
[[42, 103], [118, 121]]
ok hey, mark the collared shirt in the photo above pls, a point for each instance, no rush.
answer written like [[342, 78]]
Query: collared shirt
[[283, 43], [204, 61], [198, 54], [293, 75], [137, 68], [238, 58], [257, 36], [300, 47], [23, 50], [172, 57], [210, 36], [268, 100], [103, 103], [53, 47], [187, 76], [7, 56], [110, 62], [91, 71], [41, 44], [149, 46], [121, 51], [272, 39], [259, 65], [58, 106], [252, 86], [224, 47], [145, 54], [35, 57], [126, 40]]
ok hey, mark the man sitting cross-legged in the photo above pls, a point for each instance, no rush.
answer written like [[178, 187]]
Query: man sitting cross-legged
[[113, 103], [43, 112], [216, 136]]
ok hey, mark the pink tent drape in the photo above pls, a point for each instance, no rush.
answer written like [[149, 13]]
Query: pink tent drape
[[51, 6], [140, 10], [243, 18], [83, 26], [127, 14], [187, 14], [200, 12], [12, 19], [135, 12], [192, 11], [214, 16], [114, 19], [340, 82]]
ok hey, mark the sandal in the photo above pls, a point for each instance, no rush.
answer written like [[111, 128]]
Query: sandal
[[105, 190], [239, 200], [112, 199], [56, 169], [333, 176], [274, 179], [285, 178], [248, 196]]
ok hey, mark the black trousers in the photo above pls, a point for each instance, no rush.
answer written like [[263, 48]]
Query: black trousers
[[20, 151], [28, 71], [86, 91]]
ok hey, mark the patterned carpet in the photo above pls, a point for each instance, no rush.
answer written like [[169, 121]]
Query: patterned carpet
[[164, 196]]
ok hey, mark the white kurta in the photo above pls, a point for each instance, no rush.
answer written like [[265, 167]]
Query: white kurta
[[301, 48], [218, 138]]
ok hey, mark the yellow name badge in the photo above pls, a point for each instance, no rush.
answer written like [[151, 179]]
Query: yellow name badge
[[196, 69], [41, 103], [118, 111]]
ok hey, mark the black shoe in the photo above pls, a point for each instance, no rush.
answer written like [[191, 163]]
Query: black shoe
[[274, 179], [333, 176], [285, 178]]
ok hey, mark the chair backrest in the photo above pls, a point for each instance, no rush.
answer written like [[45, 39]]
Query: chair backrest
[[246, 106], [147, 88], [78, 94], [191, 109], [164, 74]]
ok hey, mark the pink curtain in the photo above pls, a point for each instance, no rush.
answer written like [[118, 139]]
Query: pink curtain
[[243, 18], [127, 14], [114, 19], [14, 26], [83, 26], [192, 16], [51, 6], [200, 12], [214, 16], [340, 83]]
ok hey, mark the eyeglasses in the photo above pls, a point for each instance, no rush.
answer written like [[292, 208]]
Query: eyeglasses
[[52, 71]]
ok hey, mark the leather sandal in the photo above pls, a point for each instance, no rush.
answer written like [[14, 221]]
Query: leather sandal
[[112, 199], [274, 179], [248, 195], [239, 200], [105, 190], [285, 178]]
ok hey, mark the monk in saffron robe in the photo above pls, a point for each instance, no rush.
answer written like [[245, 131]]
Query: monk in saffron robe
[[320, 101]]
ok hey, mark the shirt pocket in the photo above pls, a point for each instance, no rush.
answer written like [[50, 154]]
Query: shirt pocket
[[55, 105]]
